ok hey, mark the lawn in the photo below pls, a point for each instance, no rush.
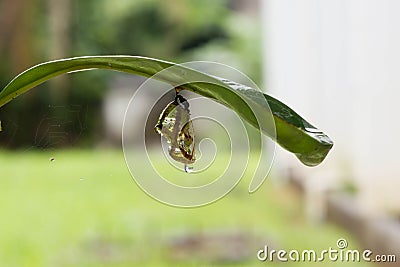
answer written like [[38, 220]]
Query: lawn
[[84, 209]]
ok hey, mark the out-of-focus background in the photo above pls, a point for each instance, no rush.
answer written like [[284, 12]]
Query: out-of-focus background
[[67, 198]]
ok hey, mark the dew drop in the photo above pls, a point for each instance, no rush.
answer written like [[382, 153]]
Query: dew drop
[[312, 130], [188, 169]]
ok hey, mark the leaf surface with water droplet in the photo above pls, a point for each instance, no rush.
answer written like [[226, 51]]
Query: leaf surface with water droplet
[[292, 131]]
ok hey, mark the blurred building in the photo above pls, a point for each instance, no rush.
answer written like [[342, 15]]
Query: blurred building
[[336, 62]]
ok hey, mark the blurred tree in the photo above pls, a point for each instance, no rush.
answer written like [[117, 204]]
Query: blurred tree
[[59, 43], [15, 33], [32, 31], [18, 32]]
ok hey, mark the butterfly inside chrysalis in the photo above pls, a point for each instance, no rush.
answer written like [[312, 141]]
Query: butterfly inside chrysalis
[[175, 125]]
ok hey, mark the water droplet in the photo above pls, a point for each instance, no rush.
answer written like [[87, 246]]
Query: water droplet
[[312, 130], [188, 169], [81, 179], [52, 159]]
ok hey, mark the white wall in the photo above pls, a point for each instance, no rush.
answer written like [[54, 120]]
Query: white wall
[[337, 62]]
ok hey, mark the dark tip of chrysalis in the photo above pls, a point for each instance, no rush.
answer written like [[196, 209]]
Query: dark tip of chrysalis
[[177, 90]]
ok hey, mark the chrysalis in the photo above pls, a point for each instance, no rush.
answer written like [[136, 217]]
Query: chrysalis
[[175, 125]]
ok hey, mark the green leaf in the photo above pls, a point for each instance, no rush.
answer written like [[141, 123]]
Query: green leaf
[[293, 133]]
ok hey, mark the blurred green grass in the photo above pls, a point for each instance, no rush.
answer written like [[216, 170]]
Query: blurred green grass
[[84, 209]]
